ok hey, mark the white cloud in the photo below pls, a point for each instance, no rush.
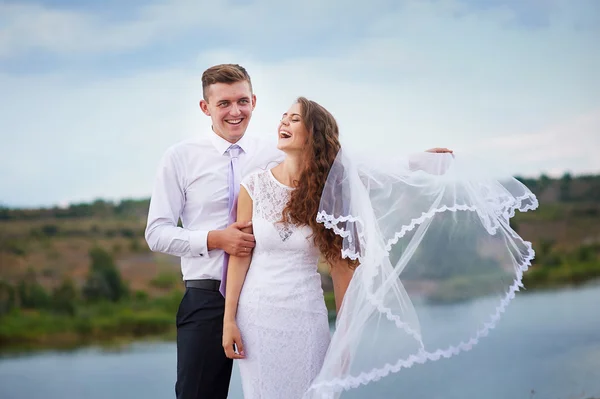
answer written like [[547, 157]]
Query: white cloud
[[423, 76], [571, 146], [26, 27], [36, 27]]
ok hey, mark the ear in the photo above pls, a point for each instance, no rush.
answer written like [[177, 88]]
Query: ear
[[253, 102], [204, 107]]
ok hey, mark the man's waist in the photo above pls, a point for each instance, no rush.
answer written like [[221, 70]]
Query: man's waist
[[204, 284], [201, 269]]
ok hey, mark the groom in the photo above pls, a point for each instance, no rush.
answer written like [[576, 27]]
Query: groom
[[197, 182]]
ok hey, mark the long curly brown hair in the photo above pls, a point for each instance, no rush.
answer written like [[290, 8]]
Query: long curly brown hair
[[322, 147]]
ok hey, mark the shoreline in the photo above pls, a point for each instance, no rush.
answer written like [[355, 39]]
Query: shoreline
[[23, 342]]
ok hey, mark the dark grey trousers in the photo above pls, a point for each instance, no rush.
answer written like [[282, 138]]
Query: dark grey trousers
[[203, 370]]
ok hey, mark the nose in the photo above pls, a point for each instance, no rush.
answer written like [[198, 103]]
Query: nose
[[285, 121], [235, 110]]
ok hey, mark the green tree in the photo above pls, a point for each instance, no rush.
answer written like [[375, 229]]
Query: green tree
[[4, 213], [585, 253], [545, 248], [544, 182], [64, 297], [102, 208], [7, 297], [104, 280], [31, 293], [565, 187], [49, 230]]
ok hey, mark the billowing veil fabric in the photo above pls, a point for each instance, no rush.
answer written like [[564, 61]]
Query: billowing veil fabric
[[430, 233]]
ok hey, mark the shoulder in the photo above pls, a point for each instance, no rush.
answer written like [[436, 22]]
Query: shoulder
[[254, 182], [184, 150], [254, 176], [189, 145]]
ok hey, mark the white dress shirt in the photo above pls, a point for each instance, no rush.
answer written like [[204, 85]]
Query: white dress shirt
[[192, 184]]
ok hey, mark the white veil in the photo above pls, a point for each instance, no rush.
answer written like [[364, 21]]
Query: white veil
[[429, 232]]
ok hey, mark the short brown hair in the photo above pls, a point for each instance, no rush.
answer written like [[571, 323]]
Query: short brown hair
[[223, 73]]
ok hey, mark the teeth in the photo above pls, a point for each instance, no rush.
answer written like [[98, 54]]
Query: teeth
[[234, 121], [285, 134]]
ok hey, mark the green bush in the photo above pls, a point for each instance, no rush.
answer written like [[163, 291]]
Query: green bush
[[330, 301], [127, 232], [168, 303], [31, 294], [50, 230], [569, 273], [117, 248], [64, 297], [166, 280], [140, 296], [104, 280], [586, 253], [134, 245], [7, 297], [14, 246]]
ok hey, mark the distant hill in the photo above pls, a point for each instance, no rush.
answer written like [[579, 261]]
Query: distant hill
[[128, 208], [567, 189], [54, 242], [84, 273]]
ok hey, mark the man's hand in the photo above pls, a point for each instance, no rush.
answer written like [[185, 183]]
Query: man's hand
[[440, 150], [232, 239], [231, 337]]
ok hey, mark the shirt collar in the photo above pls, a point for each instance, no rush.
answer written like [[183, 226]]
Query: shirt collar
[[223, 145]]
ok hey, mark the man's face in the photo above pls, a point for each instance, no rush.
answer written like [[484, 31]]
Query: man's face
[[230, 108]]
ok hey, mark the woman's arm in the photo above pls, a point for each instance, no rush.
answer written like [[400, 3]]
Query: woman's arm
[[236, 274], [341, 274]]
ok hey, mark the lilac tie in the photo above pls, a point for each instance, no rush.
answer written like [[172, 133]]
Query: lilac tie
[[234, 189]]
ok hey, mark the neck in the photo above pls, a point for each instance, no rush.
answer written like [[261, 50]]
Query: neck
[[291, 168], [230, 140]]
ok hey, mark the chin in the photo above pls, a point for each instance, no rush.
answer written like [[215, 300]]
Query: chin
[[284, 147], [280, 147], [237, 131], [235, 135]]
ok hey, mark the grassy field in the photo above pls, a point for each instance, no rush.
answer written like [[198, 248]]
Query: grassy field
[[52, 247]]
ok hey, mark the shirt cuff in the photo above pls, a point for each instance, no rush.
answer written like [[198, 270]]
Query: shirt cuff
[[199, 243]]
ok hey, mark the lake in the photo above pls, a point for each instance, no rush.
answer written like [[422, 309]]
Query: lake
[[546, 346]]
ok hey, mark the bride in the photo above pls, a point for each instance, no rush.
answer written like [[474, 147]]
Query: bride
[[370, 221]]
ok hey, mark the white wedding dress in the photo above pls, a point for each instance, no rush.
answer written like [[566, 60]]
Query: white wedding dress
[[281, 312]]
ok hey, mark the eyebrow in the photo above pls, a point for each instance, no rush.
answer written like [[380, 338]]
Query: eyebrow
[[239, 99], [285, 113]]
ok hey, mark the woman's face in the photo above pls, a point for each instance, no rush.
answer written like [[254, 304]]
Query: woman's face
[[292, 132]]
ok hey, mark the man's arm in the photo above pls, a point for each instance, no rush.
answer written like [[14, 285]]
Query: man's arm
[[166, 204]]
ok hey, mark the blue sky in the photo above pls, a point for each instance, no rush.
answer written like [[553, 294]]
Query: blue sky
[[93, 93]]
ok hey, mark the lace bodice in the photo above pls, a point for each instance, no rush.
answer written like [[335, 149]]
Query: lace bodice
[[269, 197], [285, 259]]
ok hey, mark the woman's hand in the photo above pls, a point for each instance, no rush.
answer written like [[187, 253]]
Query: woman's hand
[[232, 340], [440, 150]]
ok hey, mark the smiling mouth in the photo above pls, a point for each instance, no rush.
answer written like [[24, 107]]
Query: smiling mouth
[[234, 122], [284, 135]]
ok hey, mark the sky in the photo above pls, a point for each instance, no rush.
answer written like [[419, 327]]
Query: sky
[[93, 93]]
